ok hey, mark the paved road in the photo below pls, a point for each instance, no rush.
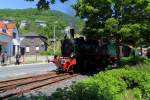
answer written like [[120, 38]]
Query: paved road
[[13, 70]]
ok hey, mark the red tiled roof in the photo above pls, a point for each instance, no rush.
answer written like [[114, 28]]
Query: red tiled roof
[[9, 30], [2, 25], [10, 26]]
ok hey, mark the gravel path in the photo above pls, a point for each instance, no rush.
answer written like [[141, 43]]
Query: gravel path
[[48, 90]]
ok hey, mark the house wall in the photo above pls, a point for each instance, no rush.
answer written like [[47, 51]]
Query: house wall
[[31, 43], [5, 42], [16, 43], [9, 42], [42, 24], [23, 24]]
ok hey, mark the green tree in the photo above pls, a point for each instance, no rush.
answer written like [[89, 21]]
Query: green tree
[[48, 31], [49, 16], [45, 4], [124, 11], [118, 20], [111, 28]]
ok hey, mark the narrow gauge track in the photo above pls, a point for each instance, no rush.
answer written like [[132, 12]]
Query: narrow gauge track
[[22, 85]]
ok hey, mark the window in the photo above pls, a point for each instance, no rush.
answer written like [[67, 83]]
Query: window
[[14, 50], [37, 48], [27, 49], [0, 49]]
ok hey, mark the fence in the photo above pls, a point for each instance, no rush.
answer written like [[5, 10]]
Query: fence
[[27, 59]]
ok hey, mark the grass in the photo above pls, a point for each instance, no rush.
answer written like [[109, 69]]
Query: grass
[[142, 65]]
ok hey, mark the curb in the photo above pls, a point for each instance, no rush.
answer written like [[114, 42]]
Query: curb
[[13, 65]]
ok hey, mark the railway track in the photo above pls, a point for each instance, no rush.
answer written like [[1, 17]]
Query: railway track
[[19, 86]]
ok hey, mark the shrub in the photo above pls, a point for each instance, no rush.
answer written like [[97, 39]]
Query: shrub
[[58, 51], [50, 52], [110, 85], [46, 53], [133, 60]]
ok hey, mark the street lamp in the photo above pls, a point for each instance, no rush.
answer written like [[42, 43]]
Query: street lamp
[[54, 36]]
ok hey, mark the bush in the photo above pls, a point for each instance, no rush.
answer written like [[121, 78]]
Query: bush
[[133, 60], [58, 52], [45, 53], [110, 85], [51, 52]]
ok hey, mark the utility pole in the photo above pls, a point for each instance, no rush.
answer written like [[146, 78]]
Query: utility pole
[[54, 37]]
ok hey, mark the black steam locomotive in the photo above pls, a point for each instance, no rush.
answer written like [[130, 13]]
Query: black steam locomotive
[[89, 53], [84, 54]]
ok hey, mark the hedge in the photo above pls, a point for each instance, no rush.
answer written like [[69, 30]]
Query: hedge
[[117, 84], [50, 52]]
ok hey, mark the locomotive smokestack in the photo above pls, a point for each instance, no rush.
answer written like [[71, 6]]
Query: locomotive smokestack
[[69, 32], [72, 27]]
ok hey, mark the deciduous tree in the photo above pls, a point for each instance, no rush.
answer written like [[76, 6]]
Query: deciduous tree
[[125, 21], [45, 4]]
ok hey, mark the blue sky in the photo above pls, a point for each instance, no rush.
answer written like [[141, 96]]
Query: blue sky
[[21, 4]]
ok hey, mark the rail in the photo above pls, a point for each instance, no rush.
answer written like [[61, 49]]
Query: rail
[[19, 86]]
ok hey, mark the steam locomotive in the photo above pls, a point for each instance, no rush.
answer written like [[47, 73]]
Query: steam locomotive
[[80, 54]]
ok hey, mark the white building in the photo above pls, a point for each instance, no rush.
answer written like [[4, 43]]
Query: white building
[[23, 24], [5, 40], [7, 20], [9, 39], [41, 23]]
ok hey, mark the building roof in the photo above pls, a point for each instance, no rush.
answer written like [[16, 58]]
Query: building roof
[[9, 28], [29, 34], [2, 25], [32, 34], [11, 25], [7, 19]]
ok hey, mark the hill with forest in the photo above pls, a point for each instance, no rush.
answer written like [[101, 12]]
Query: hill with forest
[[49, 16]]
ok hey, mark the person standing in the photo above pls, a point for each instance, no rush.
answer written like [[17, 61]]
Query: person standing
[[3, 58], [18, 59]]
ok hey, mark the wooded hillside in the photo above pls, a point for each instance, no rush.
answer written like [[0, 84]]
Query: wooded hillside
[[50, 16]]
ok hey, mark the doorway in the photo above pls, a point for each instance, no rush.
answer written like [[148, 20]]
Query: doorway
[[14, 50], [0, 49]]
